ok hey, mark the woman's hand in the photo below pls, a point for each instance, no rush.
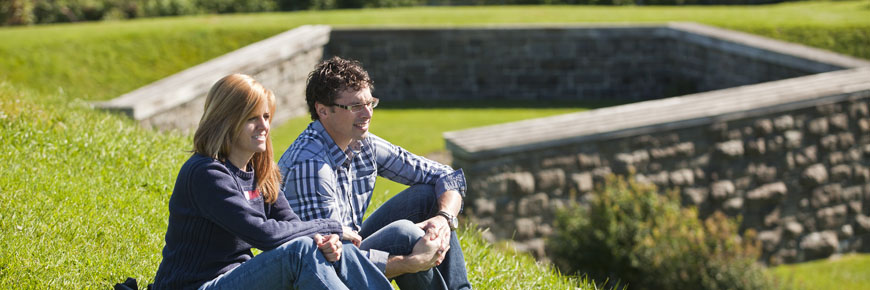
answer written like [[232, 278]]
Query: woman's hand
[[351, 236], [330, 246]]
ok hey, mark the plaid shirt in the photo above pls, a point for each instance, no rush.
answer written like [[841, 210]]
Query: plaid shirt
[[322, 181]]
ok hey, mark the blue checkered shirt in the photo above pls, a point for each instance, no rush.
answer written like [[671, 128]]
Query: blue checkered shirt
[[322, 181]]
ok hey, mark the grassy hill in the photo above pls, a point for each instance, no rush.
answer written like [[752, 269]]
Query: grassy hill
[[84, 192]]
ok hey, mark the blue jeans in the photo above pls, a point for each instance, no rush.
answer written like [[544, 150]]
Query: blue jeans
[[391, 228], [298, 264]]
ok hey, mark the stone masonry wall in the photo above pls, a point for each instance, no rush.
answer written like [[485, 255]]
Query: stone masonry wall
[[626, 63], [799, 174]]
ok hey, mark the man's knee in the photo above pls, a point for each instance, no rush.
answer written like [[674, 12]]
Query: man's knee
[[407, 229], [424, 193]]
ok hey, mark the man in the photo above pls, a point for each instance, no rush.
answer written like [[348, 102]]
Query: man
[[330, 172]]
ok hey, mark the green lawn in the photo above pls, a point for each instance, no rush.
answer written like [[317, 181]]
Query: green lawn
[[846, 272], [99, 61], [84, 192]]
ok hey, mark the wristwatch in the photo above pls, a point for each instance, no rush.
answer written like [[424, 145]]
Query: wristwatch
[[452, 222]]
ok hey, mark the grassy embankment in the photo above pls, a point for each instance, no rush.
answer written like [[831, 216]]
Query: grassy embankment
[[84, 192]]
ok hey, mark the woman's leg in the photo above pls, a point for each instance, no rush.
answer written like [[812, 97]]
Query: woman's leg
[[355, 269], [295, 264]]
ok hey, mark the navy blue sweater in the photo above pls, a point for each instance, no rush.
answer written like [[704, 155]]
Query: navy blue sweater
[[216, 216]]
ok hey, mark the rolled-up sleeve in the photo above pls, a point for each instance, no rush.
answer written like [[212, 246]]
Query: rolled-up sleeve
[[451, 181]]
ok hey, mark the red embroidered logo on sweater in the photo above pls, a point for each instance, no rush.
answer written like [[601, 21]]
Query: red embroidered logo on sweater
[[252, 194]]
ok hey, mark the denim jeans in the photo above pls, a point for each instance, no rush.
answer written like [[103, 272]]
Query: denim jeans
[[392, 228], [298, 264]]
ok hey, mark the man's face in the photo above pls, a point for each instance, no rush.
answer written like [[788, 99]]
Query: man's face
[[343, 125]]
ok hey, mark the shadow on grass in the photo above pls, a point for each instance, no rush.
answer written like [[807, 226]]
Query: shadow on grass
[[401, 105]]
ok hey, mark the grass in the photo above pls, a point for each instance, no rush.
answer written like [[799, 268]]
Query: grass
[[84, 192], [99, 61], [846, 272]]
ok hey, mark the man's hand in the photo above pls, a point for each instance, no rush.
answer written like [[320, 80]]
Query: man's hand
[[426, 253], [350, 235], [330, 246], [438, 225]]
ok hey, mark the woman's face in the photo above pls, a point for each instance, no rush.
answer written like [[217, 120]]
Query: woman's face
[[252, 136]]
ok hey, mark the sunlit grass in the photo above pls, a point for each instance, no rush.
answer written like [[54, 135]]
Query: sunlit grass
[[846, 272]]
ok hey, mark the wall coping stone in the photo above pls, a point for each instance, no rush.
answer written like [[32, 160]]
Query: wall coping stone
[[808, 58], [188, 84], [649, 116]]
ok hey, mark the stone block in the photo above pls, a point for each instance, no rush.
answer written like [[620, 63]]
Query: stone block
[[733, 205], [582, 181], [861, 173], [694, 195], [682, 177], [520, 183], [549, 179], [836, 157], [783, 123], [771, 192], [731, 149], [862, 224], [851, 193], [825, 195], [484, 207], [756, 147], [525, 228], [841, 172], [855, 207], [839, 121], [829, 143], [588, 160], [857, 110], [773, 218], [819, 245], [806, 156], [793, 139], [764, 126], [832, 217], [846, 140], [794, 229], [818, 126], [814, 175], [534, 205], [864, 125], [770, 239], [845, 232], [722, 189], [775, 144], [762, 172]]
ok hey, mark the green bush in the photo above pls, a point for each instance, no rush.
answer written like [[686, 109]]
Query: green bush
[[632, 234]]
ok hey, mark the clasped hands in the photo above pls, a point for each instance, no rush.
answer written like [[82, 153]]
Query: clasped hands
[[331, 244]]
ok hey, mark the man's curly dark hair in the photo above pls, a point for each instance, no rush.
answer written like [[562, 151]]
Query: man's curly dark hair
[[331, 77]]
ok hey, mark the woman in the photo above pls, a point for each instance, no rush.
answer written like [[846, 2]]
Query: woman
[[226, 200]]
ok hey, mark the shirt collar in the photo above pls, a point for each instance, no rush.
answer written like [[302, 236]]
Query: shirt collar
[[332, 150]]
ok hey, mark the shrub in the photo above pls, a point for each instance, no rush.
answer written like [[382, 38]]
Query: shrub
[[631, 233]]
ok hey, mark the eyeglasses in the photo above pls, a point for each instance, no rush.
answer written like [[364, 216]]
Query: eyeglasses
[[359, 107]]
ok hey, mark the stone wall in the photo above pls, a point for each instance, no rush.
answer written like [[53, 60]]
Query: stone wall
[[792, 157], [626, 63], [281, 63]]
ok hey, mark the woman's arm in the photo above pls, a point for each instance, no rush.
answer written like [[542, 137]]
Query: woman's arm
[[216, 194]]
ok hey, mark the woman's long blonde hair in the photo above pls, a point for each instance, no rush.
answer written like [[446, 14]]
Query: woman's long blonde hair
[[229, 103]]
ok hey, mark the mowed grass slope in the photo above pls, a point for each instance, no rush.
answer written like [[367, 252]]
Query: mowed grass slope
[[84, 192], [99, 61]]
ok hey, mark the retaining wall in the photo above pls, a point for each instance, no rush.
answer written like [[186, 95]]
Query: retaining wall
[[790, 156], [281, 63]]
